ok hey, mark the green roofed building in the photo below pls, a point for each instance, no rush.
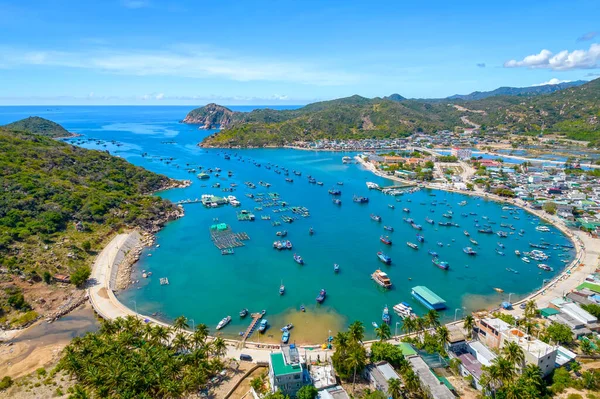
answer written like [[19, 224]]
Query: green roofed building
[[547, 312], [428, 298], [286, 372], [589, 286], [407, 349]]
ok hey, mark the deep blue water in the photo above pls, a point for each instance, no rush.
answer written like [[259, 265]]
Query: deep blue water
[[206, 286]]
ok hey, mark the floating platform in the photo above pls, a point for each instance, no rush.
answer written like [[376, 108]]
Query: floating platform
[[428, 298], [224, 238]]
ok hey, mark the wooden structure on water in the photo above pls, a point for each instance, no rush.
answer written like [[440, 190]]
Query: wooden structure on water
[[255, 319], [224, 238]]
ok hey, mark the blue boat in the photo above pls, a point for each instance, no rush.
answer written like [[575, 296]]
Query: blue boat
[[384, 258], [440, 244], [416, 226], [388, 228], [386, 240], [440, 264], [285, 337], [335, 191], [360, 200], [432, 253], [430, 221], [385, 316], [298, 259], [420, 238], [469, 251], [337, 201], [336, 268], [321, 296], [376, 218], [263, 326]]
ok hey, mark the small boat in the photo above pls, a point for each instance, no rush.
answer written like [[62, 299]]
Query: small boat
[[432, 253], [440, 264], [337, 201], [430, 221], [403, 310], [384, 258], [388, 228], [336, 268], [381, 278], [406, 210], [500, 244], [262, 327], [374, 325], [311, 231], [285, 337], [287, 179], [360, 200], [416, 226], [499, 252], [440, 244], [288, 244], [486, 231], [227, 251], [281, 233], [500, 290], [243, 313], [298, 259], [543, 229], [321, 296], [474, 242], [287, 327], [412, 245], [517, 252], [334, 191], [302, 308], [340, 183], [376, 218], [502, 234], [385, 316], [525, 259], [545, 267], [420, 238], [469, 251], [223, 322], [391, 206], [386, 240], [281, 289], [466, 233]]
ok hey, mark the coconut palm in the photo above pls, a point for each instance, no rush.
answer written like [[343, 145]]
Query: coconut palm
[[490, 378], [159, 334], [442, 335], [180, 342], [411, 382], [468, 324], [341, 341], [357, 331], [514, 354], [532, 376], [530, 309], [219, 348], [356, 359], [181, 323], [394, 388], [383, 332], [433, 318], [506, 370], [408, 325]]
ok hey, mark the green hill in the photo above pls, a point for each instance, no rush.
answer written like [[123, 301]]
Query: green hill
[[60, 203], [41, 126], [573, 112]]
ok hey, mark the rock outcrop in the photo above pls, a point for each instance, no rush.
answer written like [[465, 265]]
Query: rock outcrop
[[210, 116]]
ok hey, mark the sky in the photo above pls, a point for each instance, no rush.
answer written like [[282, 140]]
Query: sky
[[277, 52]]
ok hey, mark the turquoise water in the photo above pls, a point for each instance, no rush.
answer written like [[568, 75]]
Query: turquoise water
[[206, 286]]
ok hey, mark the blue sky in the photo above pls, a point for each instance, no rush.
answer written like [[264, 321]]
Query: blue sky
[[286, 52]]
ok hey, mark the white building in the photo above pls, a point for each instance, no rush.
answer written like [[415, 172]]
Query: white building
[[536, 352], [461, 153], [286, 371]]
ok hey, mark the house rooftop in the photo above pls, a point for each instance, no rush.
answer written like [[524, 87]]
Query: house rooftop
[[471, 364], [530, 344], [280, 367], [323, 376]]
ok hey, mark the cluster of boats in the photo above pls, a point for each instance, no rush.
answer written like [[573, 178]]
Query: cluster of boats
[[282, 245]]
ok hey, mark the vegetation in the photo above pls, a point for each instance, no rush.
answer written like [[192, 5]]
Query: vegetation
[[39, 126], [559, 333], [550, 207], [127, 358], [307, 392], [5, 383], [572, 112], [53, 192]]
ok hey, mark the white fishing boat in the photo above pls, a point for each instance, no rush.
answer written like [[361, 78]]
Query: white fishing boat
[[223, 322]]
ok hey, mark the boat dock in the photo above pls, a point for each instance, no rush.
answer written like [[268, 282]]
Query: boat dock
[[428, 298], [255, 319]]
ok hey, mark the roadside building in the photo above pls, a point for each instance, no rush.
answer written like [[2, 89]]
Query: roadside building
[[461, 153], [536, 352], [378, 374], [430, 383], [286, 371], [489, 331]]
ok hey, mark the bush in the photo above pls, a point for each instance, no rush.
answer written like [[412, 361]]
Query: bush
[[80, 275], [47, 277], [574, 396], [17, 301], [86, 245], [5, 383]]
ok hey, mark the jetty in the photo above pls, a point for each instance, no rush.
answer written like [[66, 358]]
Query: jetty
[[428, 298], [255, 319]]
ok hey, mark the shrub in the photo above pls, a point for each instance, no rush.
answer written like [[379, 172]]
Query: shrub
[[5, 383], [80, 275], [47, 277]]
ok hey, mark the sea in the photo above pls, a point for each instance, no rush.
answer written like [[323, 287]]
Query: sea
[[205, 286]]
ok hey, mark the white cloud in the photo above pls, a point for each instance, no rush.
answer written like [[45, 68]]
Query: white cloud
[[564, 60], [159, 96], [182, 61], [552, 81]]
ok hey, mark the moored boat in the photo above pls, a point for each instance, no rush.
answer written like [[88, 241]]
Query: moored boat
[[321, 296], [376, 218], [412, 245], [336, 268], [243, 312], [337, 201], [298, 259], [360, 200], [441, 264], [388, 228], [223, 322], [469, 251], [386, 240], [262, 327], [432, 253], [384, 258], [385, 315], [420, 238], [285, 337]]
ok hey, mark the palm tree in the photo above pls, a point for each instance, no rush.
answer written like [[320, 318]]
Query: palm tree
[[506, 370], [180, 323], [442, 335], [180, 341], [433, 318], [219, 347], [383, 332], [530, 309], [357, 331], [490, 378], [514, 354], [411, 381], [159, 334], [355, 359], [408, 325], [513, 391], [532, 376], [469, 324], [341, 341], [394, 388], [420, 324]]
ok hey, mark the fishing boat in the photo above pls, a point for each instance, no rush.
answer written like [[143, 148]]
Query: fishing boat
[[203, 176], [474, 242], [517, 252], [336, 268], [360, 200], [432, 253], [281, 233], [371, 185], [321, 296], [262, 327], [312, 180], [420, 238], [381, 278], [287, 327], [416, 226], [337, 201], [340, 183], [466, 233], [281, 289], [386, 240], [500, 244], [462, 203], [391, 206], [545, 267], [376, 218], [486, 231], [543, 229], [469, 251], [285, 337], [388, 228], [302, 308], [445, 224], [243, 313], [447, 216], [298, 259], [311, 231], [227, 251], [334, 191], [412, 245], [406, 210], [385, 315], [440, 244], [408, 220], [499, 252], [440, 264], [525, 259], [502, 234], [384, 258], [287, 179], [223, 322], [499, 290], [430, 221]]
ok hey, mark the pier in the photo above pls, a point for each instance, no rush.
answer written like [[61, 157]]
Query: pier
[[255, 319]]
